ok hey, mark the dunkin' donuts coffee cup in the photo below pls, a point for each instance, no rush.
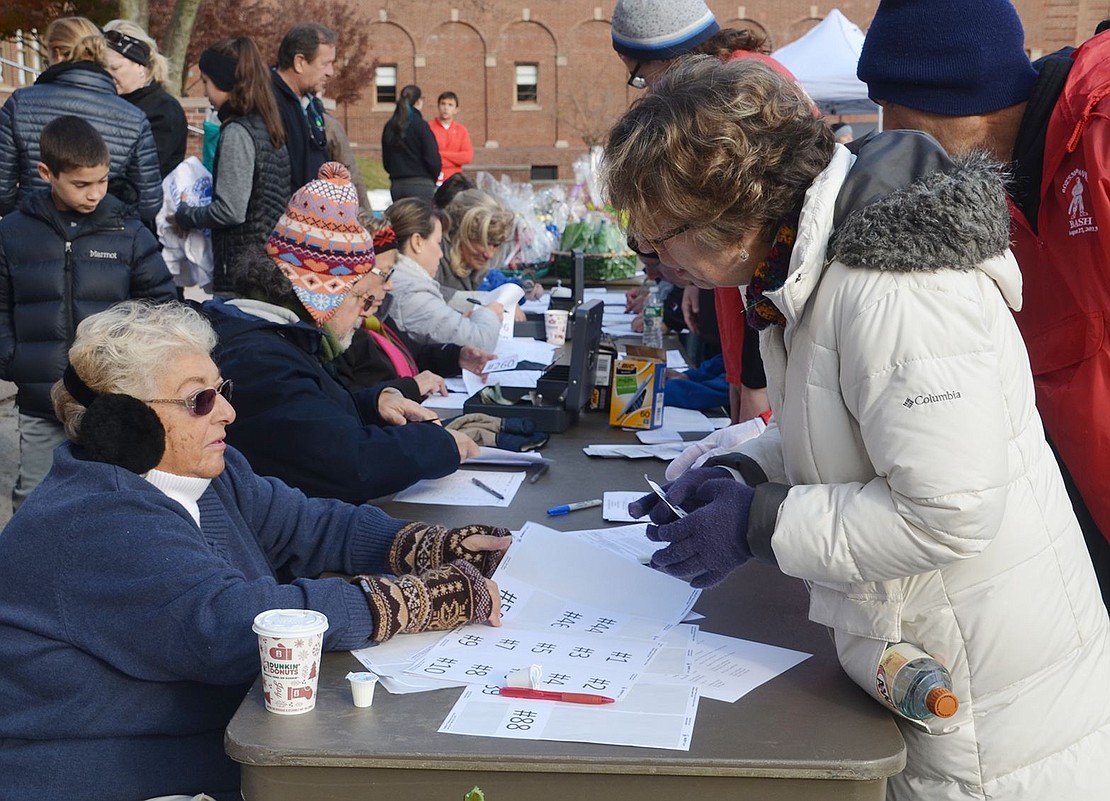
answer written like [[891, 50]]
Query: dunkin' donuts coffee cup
[[555, 325], [289, 645]]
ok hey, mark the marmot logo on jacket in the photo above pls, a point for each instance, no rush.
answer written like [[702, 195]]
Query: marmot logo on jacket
[[921, 400], [103, 254]]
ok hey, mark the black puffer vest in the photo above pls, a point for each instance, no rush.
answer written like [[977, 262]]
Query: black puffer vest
[[269, 194]]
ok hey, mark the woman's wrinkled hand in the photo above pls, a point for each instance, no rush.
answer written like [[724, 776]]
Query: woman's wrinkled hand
[[428, 383]]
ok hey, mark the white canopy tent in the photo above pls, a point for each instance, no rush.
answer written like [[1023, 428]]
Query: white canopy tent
[[824, 62]]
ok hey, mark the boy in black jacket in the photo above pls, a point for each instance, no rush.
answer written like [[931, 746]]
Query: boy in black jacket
[[69, 252]]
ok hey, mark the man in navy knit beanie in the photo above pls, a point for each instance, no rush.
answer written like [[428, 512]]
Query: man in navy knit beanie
[[957, 69]]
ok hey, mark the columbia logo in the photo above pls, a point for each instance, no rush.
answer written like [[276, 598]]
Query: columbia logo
[[940, 397], [103, 254]]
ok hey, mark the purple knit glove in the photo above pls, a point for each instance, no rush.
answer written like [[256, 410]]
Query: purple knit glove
[[711, 542], [679, 491]]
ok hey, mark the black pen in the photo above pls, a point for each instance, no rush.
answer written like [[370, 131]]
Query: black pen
[[488, 489], [475, 301], [539, 473]]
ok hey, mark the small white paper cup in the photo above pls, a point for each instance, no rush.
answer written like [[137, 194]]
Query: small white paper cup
[[555, 325], [525, 677], [362, 688]]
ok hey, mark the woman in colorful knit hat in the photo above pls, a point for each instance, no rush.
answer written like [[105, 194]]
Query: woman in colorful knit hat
[[298, 310]]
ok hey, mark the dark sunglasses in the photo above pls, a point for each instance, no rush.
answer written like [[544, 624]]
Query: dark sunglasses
[[203, 401], [636, 80], [129, 47]]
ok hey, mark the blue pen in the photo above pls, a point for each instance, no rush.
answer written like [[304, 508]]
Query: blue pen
[[567, 508]]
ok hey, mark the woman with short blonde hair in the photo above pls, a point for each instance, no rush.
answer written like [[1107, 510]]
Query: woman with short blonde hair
[[140, 72], [479, 226]]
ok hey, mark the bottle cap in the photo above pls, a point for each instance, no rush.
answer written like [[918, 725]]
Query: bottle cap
[[942, 702]]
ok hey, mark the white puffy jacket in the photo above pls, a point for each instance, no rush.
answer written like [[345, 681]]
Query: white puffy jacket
[[923, 503]]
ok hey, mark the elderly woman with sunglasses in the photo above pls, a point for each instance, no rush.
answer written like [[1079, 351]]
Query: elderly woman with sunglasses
[[905, 476], [129, 582]]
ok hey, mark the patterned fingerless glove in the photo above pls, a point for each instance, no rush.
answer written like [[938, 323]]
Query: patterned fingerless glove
[[419, 547], [437, 600]]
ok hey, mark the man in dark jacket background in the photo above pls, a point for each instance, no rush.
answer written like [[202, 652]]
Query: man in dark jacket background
[[69, 252], [305, 62]]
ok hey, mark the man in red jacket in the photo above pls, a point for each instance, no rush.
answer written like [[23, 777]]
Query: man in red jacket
[[957, 69], [453, 139]]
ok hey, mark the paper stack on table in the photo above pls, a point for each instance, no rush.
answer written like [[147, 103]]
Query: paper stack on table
[[598, 622]]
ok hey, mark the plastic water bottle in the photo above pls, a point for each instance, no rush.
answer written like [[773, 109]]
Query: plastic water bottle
[[914, 684], [653, 319]]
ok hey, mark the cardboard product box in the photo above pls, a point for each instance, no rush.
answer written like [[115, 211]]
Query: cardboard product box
[[636, 399]]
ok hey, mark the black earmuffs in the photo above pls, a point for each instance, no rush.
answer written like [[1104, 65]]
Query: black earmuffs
[[117, 429]]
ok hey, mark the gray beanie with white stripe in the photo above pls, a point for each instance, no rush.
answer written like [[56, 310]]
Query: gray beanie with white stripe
[[658, 30]]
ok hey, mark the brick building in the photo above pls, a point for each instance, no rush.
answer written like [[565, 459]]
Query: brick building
[[538, 80]]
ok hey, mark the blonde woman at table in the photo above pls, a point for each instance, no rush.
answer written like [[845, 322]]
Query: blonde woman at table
[[419, 308], [905, 475], [130, 579]]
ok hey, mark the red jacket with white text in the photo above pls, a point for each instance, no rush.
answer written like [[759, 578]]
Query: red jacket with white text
[[1065, 270]]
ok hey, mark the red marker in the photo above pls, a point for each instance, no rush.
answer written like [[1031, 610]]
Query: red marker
[[544, 695]]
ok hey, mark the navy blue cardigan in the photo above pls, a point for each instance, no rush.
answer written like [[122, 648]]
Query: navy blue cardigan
[[127, 629]]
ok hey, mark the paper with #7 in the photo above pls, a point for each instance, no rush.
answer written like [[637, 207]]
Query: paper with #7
[[591, 618]]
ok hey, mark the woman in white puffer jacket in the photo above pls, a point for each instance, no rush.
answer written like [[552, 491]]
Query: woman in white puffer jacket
[[905, 475]]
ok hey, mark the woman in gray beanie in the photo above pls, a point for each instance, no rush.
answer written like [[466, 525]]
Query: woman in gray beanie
[[648, 34]]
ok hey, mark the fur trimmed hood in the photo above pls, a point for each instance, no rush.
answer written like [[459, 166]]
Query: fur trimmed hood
[[939, 213]]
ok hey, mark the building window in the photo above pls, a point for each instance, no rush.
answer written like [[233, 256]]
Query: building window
[[385, 84], [527, 83]]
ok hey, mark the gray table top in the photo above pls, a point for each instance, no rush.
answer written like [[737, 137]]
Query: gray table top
[[811, 722]]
